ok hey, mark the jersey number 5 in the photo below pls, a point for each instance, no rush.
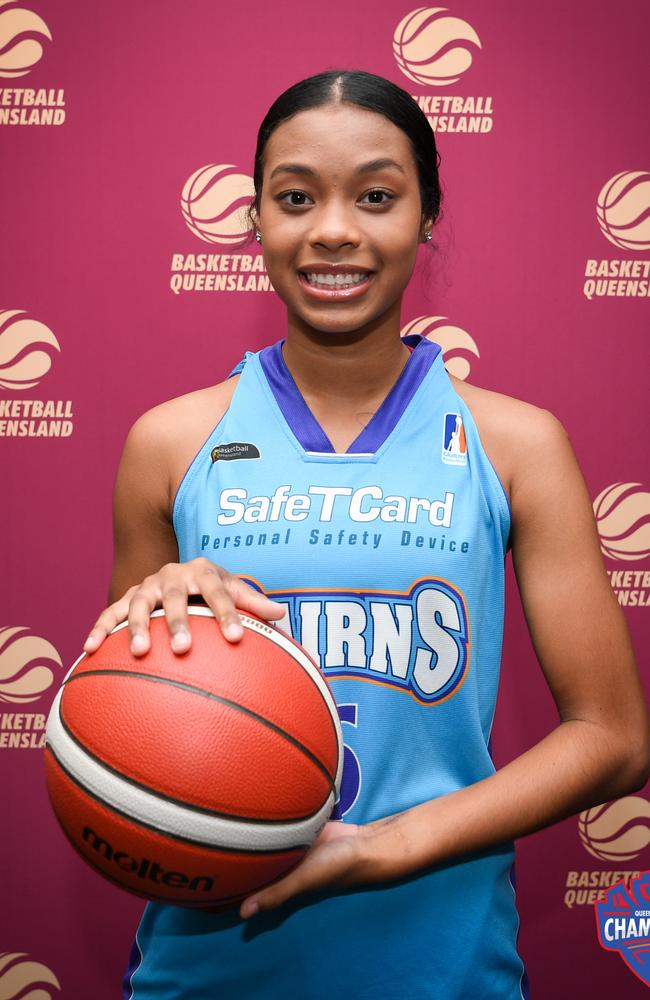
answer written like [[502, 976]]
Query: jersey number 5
[[351, 780]]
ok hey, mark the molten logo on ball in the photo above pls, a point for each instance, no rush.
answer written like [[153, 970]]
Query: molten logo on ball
[[616, 831], [18, 974], [455, 342], [144, 868], [22, 360], [623, 210], [20, 48], [623, 518], [433, 49], [214, 201], [26, 663]]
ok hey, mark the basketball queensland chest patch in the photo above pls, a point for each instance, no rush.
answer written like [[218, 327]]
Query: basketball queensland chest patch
[[234, 450]]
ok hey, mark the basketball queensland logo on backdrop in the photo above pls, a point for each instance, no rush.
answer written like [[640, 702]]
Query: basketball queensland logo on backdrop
[[458, 347], [28, 665], [623, 215], [622, 513], [21, 978], [214, 201], [24, 35], [434, 48], [27, 350], [618, 834]]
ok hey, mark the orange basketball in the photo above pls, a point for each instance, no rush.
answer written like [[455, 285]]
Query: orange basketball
[[194, 779]]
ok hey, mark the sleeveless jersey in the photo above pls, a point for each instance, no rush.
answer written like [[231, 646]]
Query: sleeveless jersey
[[389, 563]]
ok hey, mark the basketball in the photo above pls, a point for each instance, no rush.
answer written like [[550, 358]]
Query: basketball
[[194, 779]]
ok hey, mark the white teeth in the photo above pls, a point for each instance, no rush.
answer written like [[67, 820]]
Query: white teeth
[[338, 279]]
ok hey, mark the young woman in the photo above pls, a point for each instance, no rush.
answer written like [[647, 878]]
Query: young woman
[[393, 491]]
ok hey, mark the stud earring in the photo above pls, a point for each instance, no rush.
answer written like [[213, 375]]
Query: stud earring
[[258, 236], [428, 236]]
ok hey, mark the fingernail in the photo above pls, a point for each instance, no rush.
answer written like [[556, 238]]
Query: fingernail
[[250, 910], [180, 640], [138, 644], [233, 630], [90, 641]]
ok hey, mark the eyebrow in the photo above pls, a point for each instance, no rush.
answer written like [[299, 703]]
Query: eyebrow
[[363, 168]]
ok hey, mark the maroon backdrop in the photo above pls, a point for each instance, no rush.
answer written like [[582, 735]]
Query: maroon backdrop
[[127, 135]]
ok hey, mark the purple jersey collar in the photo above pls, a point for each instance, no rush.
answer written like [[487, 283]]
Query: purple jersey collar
[[306, 428]]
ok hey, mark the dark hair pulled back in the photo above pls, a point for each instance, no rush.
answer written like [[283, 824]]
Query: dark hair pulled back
[[367, 91]]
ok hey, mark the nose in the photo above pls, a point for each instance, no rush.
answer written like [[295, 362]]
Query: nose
[[334, 226]]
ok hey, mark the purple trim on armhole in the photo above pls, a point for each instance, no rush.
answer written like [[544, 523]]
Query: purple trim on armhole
[[306, 428], [525, 984], [135, 958]]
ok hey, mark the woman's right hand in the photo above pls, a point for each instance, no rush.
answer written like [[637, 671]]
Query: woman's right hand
[[170, 588]]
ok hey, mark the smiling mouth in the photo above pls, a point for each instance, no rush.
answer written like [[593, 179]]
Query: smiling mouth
[[331, 280], [329, 286]]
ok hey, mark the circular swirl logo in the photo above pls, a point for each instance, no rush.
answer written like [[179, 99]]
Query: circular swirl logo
[[622, 513], [26, 666], [18, 973], [623, 210], [457, 345], [22, 360], [213, 203], [21, 32], [433, 49], [616, 831]]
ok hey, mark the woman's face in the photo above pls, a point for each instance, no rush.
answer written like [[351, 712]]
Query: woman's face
[[331, 202]]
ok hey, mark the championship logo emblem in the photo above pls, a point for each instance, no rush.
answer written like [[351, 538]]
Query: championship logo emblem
[[623, 920], [454, 444]]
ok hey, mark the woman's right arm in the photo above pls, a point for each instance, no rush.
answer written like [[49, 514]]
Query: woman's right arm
[[146, 572]]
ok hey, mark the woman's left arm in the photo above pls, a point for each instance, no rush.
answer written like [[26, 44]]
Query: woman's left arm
[[601, 748]]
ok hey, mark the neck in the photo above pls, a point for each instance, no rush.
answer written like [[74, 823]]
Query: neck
[[345, 368]]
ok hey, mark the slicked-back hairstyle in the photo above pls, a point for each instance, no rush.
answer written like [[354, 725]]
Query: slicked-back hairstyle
[[366, 90]]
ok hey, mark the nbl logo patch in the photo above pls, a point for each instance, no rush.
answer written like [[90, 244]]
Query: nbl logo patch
[[454, 443]]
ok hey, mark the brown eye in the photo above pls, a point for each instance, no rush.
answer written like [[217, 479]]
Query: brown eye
[[378, 194], [293, 194]]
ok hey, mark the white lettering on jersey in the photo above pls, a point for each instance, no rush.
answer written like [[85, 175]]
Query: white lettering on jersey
[[363, 505], [435, 663], [416, 641], [329, 495], [346, 623], [392, 638]]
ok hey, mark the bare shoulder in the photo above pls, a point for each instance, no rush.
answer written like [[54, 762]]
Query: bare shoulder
[[170, 421], [516, 435], [165, 439]]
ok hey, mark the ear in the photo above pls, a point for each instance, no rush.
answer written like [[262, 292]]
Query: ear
[[426, 227]]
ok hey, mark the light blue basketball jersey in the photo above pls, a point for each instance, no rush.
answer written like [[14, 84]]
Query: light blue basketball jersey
[[389, 562]]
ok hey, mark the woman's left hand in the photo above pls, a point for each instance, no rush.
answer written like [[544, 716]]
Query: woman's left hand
[[335, 858]]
